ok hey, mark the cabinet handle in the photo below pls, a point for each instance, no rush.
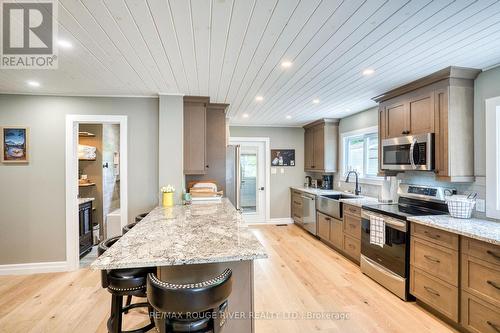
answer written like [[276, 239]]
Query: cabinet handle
[[431, 258], [352, 246], [327, 219], [432, 235], [493, 284], [297, 203], [494, 326], [432, 291], [493, 254]]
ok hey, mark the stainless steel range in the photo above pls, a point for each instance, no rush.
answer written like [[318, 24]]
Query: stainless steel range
[[389, 263]]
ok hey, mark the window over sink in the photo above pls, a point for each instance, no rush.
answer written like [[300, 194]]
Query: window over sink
[[360, 152]]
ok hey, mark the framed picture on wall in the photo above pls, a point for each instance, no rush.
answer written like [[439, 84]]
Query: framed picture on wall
[[282, 157], [15, 144]]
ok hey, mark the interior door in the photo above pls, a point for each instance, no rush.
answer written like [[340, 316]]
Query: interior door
[[252, 180]]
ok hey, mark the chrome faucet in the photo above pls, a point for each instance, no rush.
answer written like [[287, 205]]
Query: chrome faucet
[[357, 189]]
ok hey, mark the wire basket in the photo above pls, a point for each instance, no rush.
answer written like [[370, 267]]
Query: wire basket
[[461, 206]]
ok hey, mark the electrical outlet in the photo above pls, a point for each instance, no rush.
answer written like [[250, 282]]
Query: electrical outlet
[[480, 205]]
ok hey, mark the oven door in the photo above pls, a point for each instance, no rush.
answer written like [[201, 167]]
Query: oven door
[[394, 255], [413, 152]]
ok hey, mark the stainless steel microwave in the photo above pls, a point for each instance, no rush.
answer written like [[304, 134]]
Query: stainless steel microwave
[[412, 152]]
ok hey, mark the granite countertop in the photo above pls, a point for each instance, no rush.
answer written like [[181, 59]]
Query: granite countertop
[[483, 230], [359, 201], [81, 201], [195, 234]]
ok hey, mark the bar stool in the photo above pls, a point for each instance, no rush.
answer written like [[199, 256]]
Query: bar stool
[[193, 307], [139, 217], [127, 228], [124, 282]]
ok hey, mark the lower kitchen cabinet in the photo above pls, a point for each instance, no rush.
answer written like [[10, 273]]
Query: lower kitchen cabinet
[[478, 316], [352, 232], [330, 230], [434, 273]]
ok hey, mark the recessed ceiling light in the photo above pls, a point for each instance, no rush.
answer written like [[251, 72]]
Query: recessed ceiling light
[[245, 115], [288, 117], [286, 64], [33, 83], [368, 71], [315, 101], [259, 98], [64, 44]]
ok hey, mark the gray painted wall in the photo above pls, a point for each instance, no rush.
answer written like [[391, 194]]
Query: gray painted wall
[[280, 138], [486, 85], [170, 144], [32, 196]]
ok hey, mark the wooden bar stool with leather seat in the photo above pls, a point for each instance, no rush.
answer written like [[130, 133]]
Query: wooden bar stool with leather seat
[[139, 217], [193, 307], [124, 282]]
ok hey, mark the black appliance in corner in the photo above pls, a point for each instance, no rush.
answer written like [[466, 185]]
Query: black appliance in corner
[[389, 264]]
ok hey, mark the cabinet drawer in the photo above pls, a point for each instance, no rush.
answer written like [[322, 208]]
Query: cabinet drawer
[[443, 238], [353, 210], [479, 316], [435, 260], [481, 278], [352, 225], [481, 250], [439, 295], [324, 226], [296, 201], [352, 247]]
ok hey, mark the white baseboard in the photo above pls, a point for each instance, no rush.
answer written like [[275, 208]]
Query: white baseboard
[[34, 268], [281, 220]]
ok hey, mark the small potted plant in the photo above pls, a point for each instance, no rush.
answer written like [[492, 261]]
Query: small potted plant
[[167, 193]]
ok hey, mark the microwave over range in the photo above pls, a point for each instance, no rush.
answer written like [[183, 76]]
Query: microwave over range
[[412, 152]]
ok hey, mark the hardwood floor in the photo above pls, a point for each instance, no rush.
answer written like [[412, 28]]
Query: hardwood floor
[[302, 278]]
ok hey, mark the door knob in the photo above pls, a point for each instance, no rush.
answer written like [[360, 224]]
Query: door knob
[[262, 188]]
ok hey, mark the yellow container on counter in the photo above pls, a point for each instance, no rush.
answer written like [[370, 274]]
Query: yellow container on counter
[[167, 199]]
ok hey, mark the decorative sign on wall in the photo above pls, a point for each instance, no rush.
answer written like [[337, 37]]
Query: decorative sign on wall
[[15, 144], [282, 157]]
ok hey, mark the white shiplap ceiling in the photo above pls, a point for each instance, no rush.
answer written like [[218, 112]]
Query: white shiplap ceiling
[[232, 51]]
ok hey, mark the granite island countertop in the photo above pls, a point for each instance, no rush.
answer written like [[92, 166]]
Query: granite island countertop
[[196, 234], [483, 230]]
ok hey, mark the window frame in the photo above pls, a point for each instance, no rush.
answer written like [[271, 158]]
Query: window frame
[[344, 137]]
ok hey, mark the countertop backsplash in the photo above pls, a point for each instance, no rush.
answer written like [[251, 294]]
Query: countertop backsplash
[[421, 178]]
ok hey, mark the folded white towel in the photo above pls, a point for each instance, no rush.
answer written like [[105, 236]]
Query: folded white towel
[[377, 231]]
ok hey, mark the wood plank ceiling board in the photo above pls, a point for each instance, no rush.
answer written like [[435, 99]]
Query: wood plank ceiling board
[[232, 50]]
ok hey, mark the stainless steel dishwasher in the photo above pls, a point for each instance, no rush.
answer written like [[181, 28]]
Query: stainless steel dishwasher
[[309, 213]]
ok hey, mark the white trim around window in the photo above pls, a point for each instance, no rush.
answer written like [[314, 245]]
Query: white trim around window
[[372, 180], [493, 157]]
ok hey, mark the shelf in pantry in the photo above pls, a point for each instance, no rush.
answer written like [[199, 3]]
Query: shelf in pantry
[[86, 134], [86, 159], [86, 185]]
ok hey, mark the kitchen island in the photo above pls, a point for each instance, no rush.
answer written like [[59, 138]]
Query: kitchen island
[[190, 244]]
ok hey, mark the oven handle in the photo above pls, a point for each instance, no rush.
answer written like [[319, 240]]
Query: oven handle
[[399, 225], [412, 149]]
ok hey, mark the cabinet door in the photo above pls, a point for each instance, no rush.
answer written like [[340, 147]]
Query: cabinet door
[[194, 138], [336, 233], [309, 148], [396, 120], [421, 112], [324, 226], [319, 147], [441, 158]]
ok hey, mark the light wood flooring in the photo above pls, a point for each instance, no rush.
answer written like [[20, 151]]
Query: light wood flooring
[[302, 278]]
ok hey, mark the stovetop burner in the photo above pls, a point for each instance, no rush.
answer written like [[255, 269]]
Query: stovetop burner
[[402, 210], [414, 200]]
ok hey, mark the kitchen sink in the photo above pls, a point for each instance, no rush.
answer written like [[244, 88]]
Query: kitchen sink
[[331, 205]]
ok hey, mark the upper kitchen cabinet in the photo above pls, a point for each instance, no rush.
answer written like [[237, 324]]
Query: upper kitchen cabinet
[[321, 145], [442, 104], [195, 135]]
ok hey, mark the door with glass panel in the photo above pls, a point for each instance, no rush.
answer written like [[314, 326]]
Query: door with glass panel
[[252, 180]]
